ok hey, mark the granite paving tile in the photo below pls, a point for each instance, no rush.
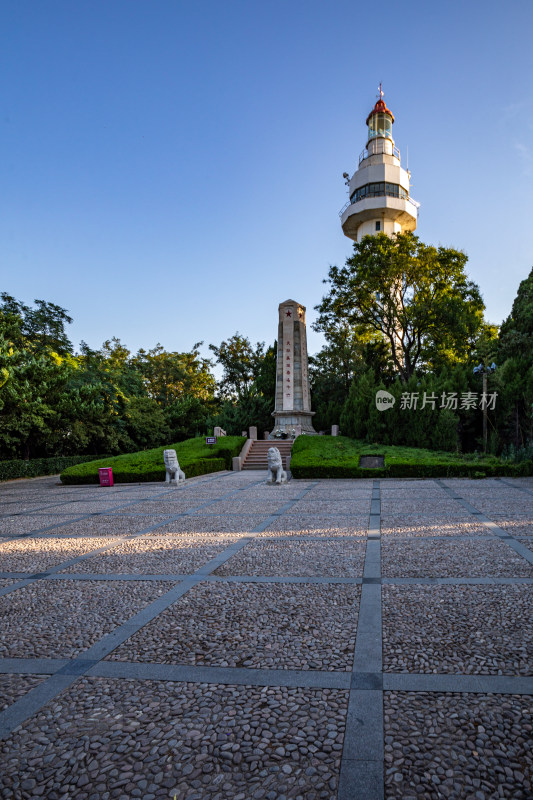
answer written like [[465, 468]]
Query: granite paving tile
[[279, 626]]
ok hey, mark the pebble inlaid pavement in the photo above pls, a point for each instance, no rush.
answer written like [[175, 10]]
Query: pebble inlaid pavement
[[171, 553], [435, 558], [227, 640], [61, 619], [322, 525], [272, 626], [302, 559], [458, 745], [36, 555], [400, 526]]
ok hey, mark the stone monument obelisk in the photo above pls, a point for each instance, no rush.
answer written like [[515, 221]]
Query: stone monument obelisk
[[293, 400]]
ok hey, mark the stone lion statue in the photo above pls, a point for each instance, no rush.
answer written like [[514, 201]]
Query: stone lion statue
[[174, 474], [276, 473]]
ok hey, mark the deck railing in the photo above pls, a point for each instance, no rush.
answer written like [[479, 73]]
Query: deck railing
[[381, 194], [379, 149]]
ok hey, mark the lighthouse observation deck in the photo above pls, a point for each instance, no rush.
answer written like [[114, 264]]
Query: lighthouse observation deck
[[388, 190]]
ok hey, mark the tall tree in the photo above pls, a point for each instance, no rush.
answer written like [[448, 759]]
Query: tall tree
[[248, 384], [39, 329], [413, 297], [516, 333], [241, 362], [170, 376], [515, 361]]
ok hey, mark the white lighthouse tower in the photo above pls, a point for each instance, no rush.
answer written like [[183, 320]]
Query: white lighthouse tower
[[379, 188]]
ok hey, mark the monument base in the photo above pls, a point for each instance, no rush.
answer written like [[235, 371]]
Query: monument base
[[297, 421]]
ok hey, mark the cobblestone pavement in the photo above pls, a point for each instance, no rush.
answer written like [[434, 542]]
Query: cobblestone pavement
[[225, 640]]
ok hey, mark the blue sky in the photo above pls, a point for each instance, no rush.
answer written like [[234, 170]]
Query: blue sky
[[171, 171]]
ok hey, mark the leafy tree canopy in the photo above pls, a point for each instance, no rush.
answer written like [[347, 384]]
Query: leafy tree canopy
[[414, 298], [170, 376], [516, 334], [241, 362], [39, 329]]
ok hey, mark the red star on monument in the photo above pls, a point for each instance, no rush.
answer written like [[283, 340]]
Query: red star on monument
[[289, 313]]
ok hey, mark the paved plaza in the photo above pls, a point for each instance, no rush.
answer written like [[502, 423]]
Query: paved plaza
[[229, 640]]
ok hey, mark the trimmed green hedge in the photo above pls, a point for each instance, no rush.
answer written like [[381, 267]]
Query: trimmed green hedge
[[338, 457], [413, 471], [18, 468], [194, 456]]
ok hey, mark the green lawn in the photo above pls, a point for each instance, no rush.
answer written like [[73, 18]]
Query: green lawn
[[338, 457], [194, 456]]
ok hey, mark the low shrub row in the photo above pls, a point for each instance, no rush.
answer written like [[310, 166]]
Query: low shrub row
[[135, 473], [194, 456], [407, 470], [338, 457], [18, 468]]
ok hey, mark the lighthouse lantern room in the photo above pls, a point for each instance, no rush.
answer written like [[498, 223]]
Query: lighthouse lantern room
[[379, 188]]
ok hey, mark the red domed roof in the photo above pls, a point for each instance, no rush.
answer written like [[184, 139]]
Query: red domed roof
[[380, 108]]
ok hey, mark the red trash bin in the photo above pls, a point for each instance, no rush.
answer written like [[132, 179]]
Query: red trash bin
[[106, 476]]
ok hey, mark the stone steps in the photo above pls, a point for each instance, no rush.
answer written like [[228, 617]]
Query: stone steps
[[257, 457]]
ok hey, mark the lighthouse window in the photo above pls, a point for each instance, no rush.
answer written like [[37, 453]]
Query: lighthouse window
[[379, 190], [378, 226], [380, 125]]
